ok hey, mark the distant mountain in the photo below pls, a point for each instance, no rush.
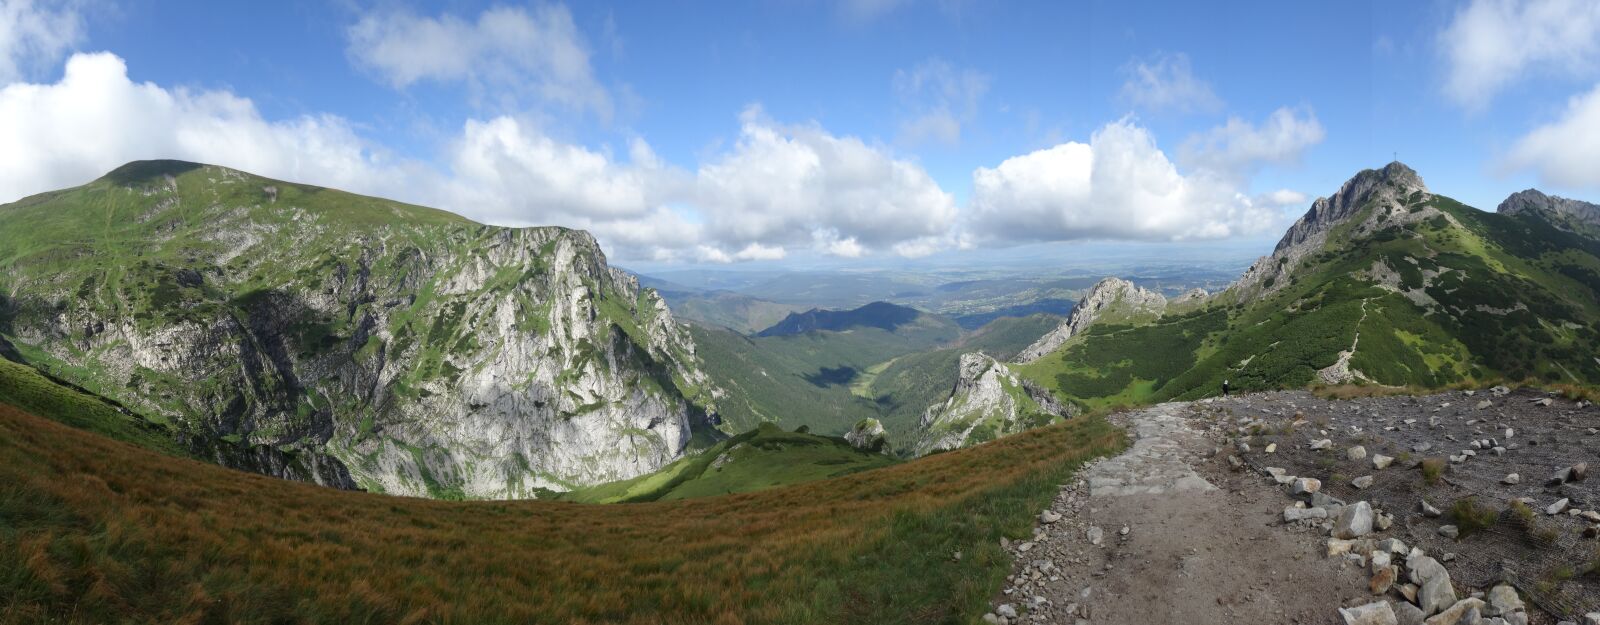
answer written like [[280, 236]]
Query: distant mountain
[[1570, 215], [881, 315], [1385, 282], [353, 341], [727, 309]]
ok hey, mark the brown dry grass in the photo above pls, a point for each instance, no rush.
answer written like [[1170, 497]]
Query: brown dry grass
[[93, 530]]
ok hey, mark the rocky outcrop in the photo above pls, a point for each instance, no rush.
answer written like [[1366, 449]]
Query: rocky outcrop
[[352, 341], [988, 401], [868, 435], [1111, 298], [1564, 213]]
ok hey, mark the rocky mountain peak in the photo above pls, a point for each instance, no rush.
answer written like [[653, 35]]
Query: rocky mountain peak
[[1110, 296], [1393, 182], [1558, 208]]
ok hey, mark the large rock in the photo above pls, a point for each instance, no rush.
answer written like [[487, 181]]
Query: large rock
[[1354, 521], [1452, 615], [1407, 614], [1375, 613], [1437, 595], [1421, 568]]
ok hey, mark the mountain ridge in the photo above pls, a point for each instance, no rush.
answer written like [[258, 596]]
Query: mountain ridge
[[430, 354]]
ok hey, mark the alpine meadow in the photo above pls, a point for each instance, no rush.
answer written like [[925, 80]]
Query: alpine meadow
[[844, 311]]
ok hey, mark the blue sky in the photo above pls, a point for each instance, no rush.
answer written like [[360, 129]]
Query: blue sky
[[785, 130]]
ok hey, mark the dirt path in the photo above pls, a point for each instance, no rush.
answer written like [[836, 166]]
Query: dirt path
[[1202, 544]]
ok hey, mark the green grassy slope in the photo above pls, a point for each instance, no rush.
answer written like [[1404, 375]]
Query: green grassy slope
[[96, 531], [24, 387], [1464, 295], [762, 458]]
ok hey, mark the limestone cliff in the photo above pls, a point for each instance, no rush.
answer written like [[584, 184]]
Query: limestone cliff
[[988, 401], [348, 340]]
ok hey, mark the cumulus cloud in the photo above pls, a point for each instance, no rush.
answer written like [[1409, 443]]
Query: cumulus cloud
[[35, 34], [1564, 151], [937, 99], [95, 119], [508, 52], [1119, 185], [1489, 44], [779, 181], [1238, 148], [777, 189], [1167, 83]]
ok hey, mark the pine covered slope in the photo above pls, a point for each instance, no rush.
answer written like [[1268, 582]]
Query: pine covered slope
[[1385, 283], [319, 335]]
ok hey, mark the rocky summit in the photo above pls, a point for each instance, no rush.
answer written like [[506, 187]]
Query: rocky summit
[[347, 340]]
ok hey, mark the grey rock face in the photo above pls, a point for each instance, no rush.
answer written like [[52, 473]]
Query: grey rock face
[[1106, 296]]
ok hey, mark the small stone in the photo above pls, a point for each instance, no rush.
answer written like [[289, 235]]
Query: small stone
[[1321, 444], [1272, 448], [1292, 514], [1429, 511], [1503, 600], [1383, 580], [1375, 613], [1381, 462], [1510, 432], [1449, 531], [1556, 508], [1049, 516], [1393, 545], [1421, 447], [1124, 531], [1305, 486], [1356, 453], [1354, 521], [1096, 534], [992, 619], [1542, 402], [1363, 482], [1592, 618], [1511, 479], [1409, 591], [1383, 521], [1006, 610], [1484, 404]]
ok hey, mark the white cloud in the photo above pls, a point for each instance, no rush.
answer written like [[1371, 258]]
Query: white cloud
[[35, 34], [1120, 185], [1563, 152], [1167, 83], [937, 99], [762, 198], [1237, 148], [95, 119], [780, 183], [1489, 44], [507, 53], [1282, 198]]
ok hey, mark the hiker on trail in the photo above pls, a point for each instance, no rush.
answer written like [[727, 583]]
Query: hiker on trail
[[1224, 388]]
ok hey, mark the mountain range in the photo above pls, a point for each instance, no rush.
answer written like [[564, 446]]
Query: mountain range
[[357, 342]]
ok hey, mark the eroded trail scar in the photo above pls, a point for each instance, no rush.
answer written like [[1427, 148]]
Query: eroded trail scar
[[1154, 465]]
